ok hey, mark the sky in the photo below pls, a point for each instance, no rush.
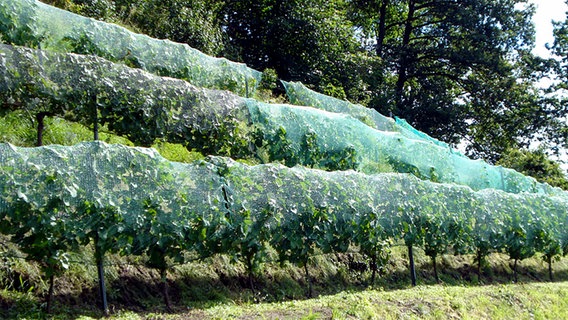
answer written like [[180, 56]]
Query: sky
[[546, 11]]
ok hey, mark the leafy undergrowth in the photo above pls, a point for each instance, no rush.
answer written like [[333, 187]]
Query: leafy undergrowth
[[218, 288]]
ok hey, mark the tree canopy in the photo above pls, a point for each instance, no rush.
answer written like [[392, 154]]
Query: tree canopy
[[535, 164]]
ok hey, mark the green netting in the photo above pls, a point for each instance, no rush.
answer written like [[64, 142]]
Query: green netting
[[59, 195], [108, 176], [114, 190], [438, 162], [316, 133], [299, 95], [146, 107], [412, 133], [227, 194], [134, 103], [34, 24], [302, 96]]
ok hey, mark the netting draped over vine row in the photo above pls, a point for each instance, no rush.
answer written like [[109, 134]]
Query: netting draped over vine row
[[145, 107], [34, 24], [217, 193], [136, 104], [302, 96], [106, 175]]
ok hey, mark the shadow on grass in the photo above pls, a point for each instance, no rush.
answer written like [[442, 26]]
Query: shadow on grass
[[137, 289]]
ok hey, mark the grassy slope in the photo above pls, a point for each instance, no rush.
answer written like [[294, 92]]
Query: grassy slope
[[19, 128], [521, 301], [510, 301], [217, 289]]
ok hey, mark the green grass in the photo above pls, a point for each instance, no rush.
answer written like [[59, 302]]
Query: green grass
[[501, 301], [504, 301], [19, 128]]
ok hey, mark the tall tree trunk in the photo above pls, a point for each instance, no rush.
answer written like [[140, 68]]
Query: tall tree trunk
[[165, 289], [404, 61], [50, 295], [412, 268], [382, 27]]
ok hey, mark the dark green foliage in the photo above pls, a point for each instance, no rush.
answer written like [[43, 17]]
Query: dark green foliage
[[445, 62], [162, 234], [195, 22], [247, 238], [146, 108], [302, 40], [40, 228], [373, 240], [279, 141], [41, 233], [105, 229], [535, 164], [517, 241], [309, 152], [269, 79], [298, 235]]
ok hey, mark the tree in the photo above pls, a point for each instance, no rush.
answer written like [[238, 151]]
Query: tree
[[509, 111], [455, 69], [559, 134], [247, 237], [42, 235], [161, 233], [373, 241], [195, 22], [535, 164], [461, 71], [436, 239], [104, 228], [517, 238], [546, 238], [308, 41], [411, 225], [38, 224], [486, 230]]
